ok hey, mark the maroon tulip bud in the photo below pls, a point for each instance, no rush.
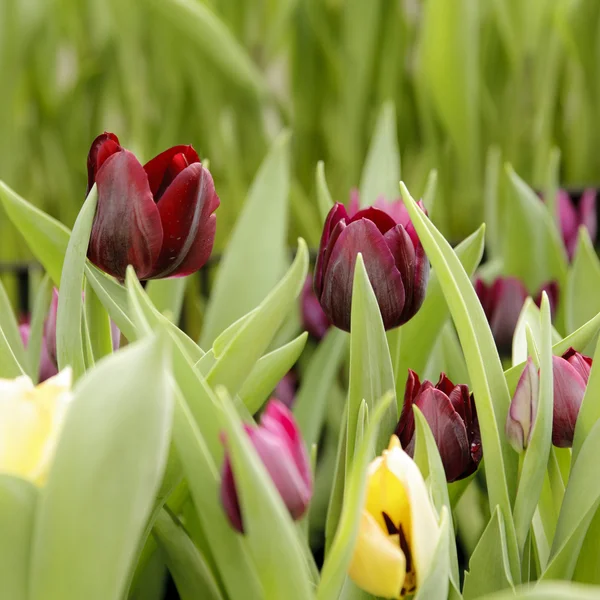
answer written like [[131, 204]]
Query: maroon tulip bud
[[571, 372], [451, 415], [572, 217], [157, 217], [523, 408], [502, 302], [394, 258], [314, 320], [279, 445]]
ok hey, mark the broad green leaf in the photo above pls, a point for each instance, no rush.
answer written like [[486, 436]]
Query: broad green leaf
[[582, 497], [269, 371], [529, 318], [313, 395], [45, 236], [167, 296], [489, 567], [485, 369], [38, 317], [417, 337], [582, 301], [18, 500], [533, 469], [381, 172], [586, 570], [339, 556], [9, 365], [532, 233], [186, 564], [552, 184], [237, 360], [555, 590], [279, 559], [256, 255], [107, 469], [98, 324], [69, 343], [10, 329], [371, 374], [324, 199]]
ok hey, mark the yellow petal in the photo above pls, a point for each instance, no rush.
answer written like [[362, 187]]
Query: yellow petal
[[378, 564]]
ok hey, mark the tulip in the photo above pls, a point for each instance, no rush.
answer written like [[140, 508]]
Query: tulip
[[285, 391], [394, 258], [157, 217], [47, 366], [572, 217], [30, 422], [502, 302], [450, 413], [314, 320], [523, 408], [398, 530], [279, 445]]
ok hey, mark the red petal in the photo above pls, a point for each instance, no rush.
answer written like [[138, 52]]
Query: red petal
[[105, 145], [126, 228], [229, 497], [382, 220], [336, 299], [406, 426], [157, 167], [186, 212]]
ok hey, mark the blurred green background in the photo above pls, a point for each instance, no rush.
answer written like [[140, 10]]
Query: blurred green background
[[228, 75]]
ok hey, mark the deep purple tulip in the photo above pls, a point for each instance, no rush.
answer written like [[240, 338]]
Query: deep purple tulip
[[394, 258], [314, 320], [157, 217], [279, 445], [573, 216], [502, 302], [451, 415]]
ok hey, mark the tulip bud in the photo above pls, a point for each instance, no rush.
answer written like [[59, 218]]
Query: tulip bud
[[394, 258], [314, 320], [30, 422], [47, 366], [279, 445], [572, 217], [158, 218], [398, 530], [502, 302], [523, 408], [450, 412]]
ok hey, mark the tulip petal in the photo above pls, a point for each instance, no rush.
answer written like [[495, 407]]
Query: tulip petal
[[406, 426], [336, 215], [395, 209], [336, 299], [448, 430], [507, 298], [314, 320], [158, 167], [523, 408], [188, 223], [403, 251], [126, 228], [380, 218], [581, 363], [229, 496], [378, 564], [569, 222], [569, 388], [105, 145], [587, 213]]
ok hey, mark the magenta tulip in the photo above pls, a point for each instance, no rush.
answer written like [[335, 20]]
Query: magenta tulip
[[451, 415], [394, 258], [279, 445], [158, 217]]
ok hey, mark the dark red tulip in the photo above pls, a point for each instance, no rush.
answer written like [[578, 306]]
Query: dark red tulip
[[279, 445], [451, 415], [158, 217], [572, 216], [314, 320], [394, 258], [502, 302]]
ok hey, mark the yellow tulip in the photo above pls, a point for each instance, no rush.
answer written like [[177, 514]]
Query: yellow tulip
[[30, 421], [398, 530]]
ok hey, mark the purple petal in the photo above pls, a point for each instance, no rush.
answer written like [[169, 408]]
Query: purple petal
[[406, 425], [587, 213], [581, 363], [507, 298], [314, 320], [229, 496], [569, 388], [523, 408], [336, 215], [381, 219], [50, 328]]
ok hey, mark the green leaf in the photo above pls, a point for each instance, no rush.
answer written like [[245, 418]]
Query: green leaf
[[381, 172], [10, 329], [45, 236], [417, 337], [555, 590], [256, 255], [313, 394], [167, 296], [41, 305], [279, 559], [9, 365], [489, 567], [324, 199], [18, 499], [98, 324], [533, 469], [69, 344], [581, 298], [371, 374], [269, 371], [582, 497], [493, 240], [186, 564], [235, 363], [107, 469], [339, 556], [485, 369]]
